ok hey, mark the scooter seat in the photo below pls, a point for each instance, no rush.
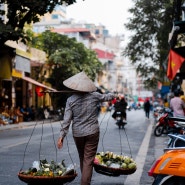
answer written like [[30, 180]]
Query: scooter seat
[[181, 119], [181, 124]]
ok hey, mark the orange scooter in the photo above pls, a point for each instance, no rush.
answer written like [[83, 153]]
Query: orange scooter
[[169, 169]]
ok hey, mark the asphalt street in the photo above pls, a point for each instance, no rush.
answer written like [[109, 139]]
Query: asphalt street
[[150, 149]]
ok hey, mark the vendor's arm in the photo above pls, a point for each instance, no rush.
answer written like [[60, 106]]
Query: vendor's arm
[[65, 125], [105, 97], [60, 142]]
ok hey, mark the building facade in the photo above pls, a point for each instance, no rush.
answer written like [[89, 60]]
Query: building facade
[[115, 76], [18, 82]]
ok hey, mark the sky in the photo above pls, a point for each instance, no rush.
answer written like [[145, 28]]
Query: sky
[[111, 13]]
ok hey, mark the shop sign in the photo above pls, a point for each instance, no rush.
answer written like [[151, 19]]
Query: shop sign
[[16, 73]]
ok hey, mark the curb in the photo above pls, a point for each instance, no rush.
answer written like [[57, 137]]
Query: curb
[[23, 124]]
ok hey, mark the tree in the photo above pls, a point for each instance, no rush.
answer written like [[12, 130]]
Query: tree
[[21, 12], [150, 24], [66, 57]]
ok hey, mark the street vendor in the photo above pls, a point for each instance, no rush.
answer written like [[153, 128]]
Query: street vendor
[[81, 111]]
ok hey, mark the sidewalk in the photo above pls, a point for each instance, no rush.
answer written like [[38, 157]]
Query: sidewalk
[[155, 150], [23, 124]]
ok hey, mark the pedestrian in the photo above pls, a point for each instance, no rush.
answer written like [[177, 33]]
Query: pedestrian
[[181, 93], [147, 107], [177, 104], [182, 98], [166, 103], [31, 113], [18, 114], [25, 113], [81, 112]]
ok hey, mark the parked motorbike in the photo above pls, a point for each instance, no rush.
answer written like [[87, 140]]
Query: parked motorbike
[[59, 114], [158, 112], [120, 119], [167, 124], [169, 169], [175, 140]]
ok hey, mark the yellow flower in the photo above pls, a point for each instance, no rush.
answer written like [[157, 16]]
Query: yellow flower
[[50, 173]]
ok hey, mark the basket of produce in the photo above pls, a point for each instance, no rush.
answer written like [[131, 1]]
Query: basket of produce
[[53, 173], [108, 163]]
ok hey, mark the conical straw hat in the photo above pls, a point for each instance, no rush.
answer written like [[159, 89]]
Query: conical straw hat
[[80, 82]]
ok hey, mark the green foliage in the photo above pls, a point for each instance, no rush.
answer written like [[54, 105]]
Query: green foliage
[[21, 12], [66, 57], [150, 25]]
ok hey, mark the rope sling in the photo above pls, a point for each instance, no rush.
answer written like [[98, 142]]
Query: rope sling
[[109, 171], [51, 179], [120, 136]]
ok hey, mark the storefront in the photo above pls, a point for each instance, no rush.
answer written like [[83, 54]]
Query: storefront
[[17, 88], [5, 76]]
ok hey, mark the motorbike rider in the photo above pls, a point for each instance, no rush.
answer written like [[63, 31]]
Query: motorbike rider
[[120, 106]]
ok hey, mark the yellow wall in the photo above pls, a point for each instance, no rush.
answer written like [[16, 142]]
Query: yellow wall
[[5, 69]]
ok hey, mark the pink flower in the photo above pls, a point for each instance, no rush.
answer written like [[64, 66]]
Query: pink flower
[[96, 161]]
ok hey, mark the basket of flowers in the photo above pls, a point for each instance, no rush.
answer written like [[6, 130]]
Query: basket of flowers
[[111, 164], [52, 173]]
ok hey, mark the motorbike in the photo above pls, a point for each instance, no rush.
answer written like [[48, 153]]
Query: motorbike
[[158, 112], [129, 107], [169, 168], [120, 119], [168, 124], [59, 114]]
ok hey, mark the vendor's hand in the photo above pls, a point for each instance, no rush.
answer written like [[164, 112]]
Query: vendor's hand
[[60, 143]]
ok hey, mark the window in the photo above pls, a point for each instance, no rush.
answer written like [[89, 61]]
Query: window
[[97, 32], [54, 16]]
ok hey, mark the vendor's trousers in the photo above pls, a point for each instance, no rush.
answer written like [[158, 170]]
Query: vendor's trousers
[[87, 148]]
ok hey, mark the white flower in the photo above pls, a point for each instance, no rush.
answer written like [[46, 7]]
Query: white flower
[[46, 169], [60, 172], [36, 165]]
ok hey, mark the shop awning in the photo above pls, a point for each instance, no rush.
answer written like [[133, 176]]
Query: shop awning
[[30, 80]]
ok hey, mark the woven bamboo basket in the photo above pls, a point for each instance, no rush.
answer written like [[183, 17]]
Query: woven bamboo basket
[[43, 180], [109, 171]]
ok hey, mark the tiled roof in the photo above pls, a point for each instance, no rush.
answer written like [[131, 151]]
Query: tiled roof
[[104, 54], [70, 30], [84, 31]]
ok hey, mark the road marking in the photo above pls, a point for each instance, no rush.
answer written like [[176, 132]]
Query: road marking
[[36, 139], [134, 179], [13, 145]]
